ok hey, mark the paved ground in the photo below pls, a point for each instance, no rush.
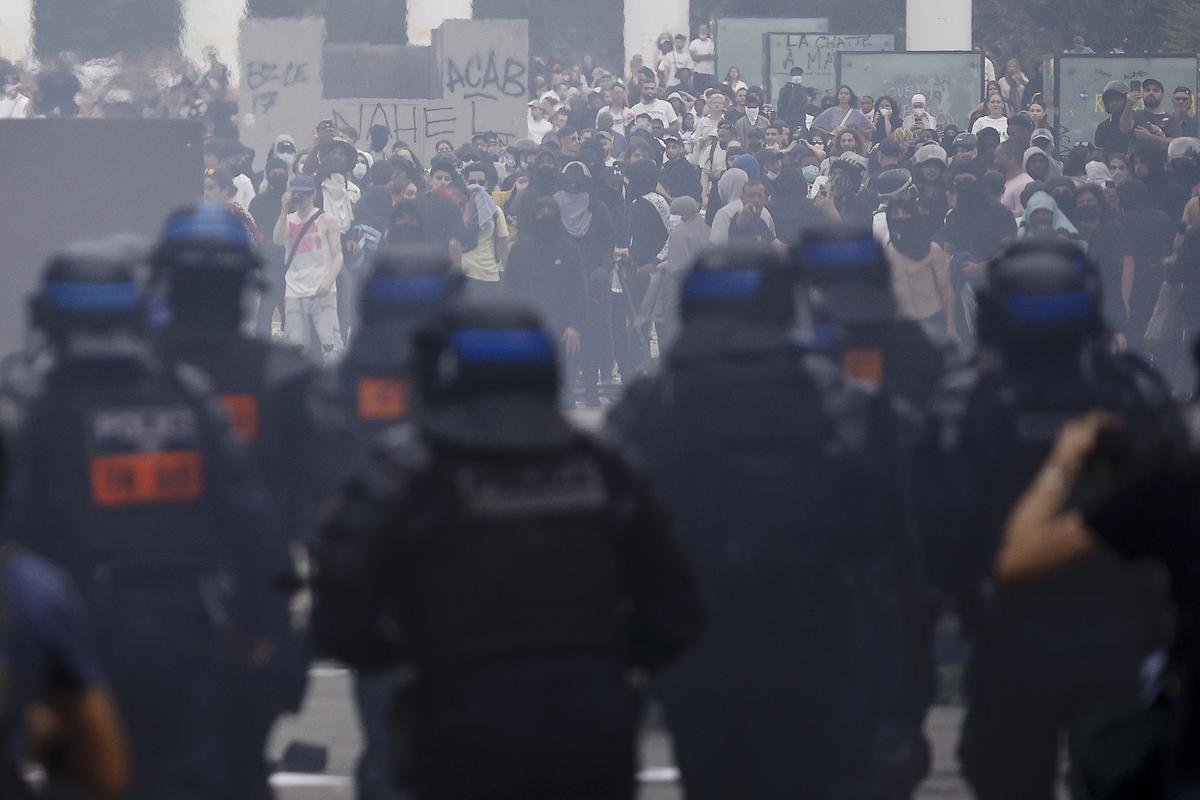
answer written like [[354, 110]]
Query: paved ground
[[328, 719]]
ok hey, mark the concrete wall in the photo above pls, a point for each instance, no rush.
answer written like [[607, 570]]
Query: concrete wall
[[16, 29], [425, 16], [938, 25], [483, 70], [646, 19], [740, 42]]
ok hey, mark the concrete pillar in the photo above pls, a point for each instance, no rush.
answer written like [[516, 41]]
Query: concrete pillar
[[16, 29], [938, 25], [212, 23], [645, 20], [425, 15]]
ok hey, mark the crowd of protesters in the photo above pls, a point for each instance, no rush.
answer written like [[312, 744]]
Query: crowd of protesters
[[622, 178]]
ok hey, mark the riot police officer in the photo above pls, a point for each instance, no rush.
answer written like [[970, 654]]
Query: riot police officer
[[126, 475], [849, 267], [775, 467], [205, 267], [1043, 658], [339, 412], [518, 565]]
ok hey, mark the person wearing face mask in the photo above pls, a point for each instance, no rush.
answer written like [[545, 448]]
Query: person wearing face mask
[[589, 226], [543, 182], [753, 118], [1062, 191], [487, 230], [919, 119], [265, 209], [977, 228], [1044, 219], [680, 177], [920, 271], [1109, 247], [362, 165], [544, 270], [407, 226], [793, 102], [1151, 234]]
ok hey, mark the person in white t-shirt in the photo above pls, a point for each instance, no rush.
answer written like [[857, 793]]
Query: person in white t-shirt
[[995, 118], [675, 60], [704, 54], [655, 108], [617, 108], [539, 126], [313, 254]]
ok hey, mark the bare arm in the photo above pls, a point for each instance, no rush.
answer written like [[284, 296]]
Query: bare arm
[[1126, 122], [941, 272], [1127, 272], [1041, 535], [280, 234], [333, 243], [84, 728]]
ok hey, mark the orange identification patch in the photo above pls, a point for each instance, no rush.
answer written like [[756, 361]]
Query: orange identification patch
[[382, 398], [145, 478], [242, 410], [863, 364]]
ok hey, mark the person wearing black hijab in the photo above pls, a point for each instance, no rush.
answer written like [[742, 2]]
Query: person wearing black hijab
[[543, 182], [1151, 234], [544, 270], [590, 227], [790, 207]]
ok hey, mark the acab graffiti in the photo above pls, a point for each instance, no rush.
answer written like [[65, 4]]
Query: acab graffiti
[[481, 76]]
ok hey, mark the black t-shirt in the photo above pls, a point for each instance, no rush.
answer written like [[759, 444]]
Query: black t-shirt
[[1108, 245], [1109, 137], [982, 231], [443, 222]]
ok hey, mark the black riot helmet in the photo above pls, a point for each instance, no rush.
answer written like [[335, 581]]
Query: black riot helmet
[[407, 284], [850, 268], [487, 377], [752, 284], [1042, 296], [204, 260], [90, 298]]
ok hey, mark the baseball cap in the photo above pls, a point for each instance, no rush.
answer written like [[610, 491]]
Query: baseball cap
[[918, 99], [1116, 87], [302, 183], [1042, 133], [966, 140], [892, 182]]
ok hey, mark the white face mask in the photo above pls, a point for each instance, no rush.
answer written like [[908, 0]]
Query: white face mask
[[360, 171], [798, 79], [772, 175], [287, 158]]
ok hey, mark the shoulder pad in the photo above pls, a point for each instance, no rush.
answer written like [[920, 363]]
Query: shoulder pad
[[849, 405], [1152, 386]]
